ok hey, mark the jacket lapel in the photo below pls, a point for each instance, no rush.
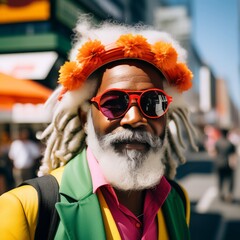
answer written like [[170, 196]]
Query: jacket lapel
[[79, 209], [174, 215]]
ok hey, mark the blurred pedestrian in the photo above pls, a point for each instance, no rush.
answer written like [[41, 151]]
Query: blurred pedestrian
[[225, 162], [212, 134], [24, 152], [6, 177]]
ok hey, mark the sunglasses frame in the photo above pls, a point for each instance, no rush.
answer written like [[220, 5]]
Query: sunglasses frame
[[133, 95]]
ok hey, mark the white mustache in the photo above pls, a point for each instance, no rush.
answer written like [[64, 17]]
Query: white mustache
[[128, 135]]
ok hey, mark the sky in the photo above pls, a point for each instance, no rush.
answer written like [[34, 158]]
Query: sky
[[215, 33]]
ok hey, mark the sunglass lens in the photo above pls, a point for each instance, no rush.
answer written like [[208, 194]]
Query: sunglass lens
[[154, 103], [114, 103]]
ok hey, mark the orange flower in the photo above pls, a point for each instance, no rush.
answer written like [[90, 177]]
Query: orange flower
[[71, 76], [181, 77], [133, 46], [165, 55], [93, 55], [91, 51]]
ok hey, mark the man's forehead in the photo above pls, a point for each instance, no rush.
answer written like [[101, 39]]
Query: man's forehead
[[125, 72]]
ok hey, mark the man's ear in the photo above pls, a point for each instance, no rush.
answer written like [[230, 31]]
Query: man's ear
[[83, 118]]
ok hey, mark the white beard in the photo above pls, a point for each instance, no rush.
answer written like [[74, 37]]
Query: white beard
[[129, 169]]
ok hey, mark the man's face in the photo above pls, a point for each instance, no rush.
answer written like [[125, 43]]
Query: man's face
[[137, 76], [129, 149]]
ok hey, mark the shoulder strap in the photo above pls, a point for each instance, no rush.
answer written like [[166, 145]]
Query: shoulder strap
[[48, 194]]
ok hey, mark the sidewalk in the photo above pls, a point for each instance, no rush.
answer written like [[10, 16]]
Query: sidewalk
[[212, 219], [203, 193]]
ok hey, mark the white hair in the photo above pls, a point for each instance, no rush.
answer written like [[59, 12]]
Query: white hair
[[109, 32]]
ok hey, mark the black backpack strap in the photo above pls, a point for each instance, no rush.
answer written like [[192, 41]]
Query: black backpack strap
[[48, 194]]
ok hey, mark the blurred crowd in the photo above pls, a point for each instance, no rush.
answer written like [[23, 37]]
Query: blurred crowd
[[213, 133], [19, 157], [223, 145]]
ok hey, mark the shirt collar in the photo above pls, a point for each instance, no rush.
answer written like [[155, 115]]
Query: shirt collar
[[159, 193], [98, 179]]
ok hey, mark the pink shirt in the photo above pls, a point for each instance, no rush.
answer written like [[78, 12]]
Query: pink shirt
[[129, 226]]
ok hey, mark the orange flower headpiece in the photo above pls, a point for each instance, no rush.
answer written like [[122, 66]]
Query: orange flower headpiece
[[93, 54]]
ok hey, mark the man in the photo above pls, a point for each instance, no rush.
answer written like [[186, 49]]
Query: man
[[120, 90], [225, 165], [24, 152]]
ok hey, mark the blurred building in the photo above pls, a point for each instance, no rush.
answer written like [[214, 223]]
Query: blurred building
[[35, 38]]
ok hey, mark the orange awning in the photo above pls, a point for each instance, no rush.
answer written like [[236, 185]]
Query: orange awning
[[13, 90]]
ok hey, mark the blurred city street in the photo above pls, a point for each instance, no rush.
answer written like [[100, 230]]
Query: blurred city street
[[211, 217], [37, 37]]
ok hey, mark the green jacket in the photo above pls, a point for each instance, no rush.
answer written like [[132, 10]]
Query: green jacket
[[80, 210]]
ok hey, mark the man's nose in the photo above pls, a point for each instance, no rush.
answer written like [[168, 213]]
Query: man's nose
[[133, 117]]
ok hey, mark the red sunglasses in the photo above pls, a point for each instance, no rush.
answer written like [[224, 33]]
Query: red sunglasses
[[114, 103]]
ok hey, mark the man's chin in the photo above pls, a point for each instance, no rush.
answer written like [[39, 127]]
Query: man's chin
[[132, 185], [131, 171]]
